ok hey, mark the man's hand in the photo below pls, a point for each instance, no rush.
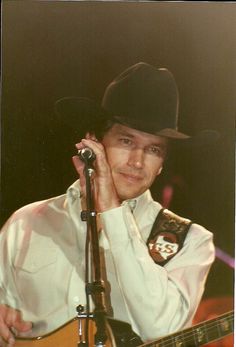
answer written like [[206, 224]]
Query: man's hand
[[104, 189], [11, 319]]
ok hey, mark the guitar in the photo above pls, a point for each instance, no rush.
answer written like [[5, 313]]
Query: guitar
[[198, 335]]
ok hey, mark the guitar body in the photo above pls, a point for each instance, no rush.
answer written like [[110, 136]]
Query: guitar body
[[68, 335], [65, 336]]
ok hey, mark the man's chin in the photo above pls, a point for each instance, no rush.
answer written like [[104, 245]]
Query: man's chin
[[128, 190], [128, 194]]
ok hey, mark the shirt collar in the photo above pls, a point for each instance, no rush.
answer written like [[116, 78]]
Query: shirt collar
[[139, 202], [74, 193]]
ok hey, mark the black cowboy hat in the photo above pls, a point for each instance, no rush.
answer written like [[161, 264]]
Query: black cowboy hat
[[142, 97]]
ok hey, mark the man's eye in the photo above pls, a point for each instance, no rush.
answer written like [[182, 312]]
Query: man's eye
[[154, 150], [125, 141]]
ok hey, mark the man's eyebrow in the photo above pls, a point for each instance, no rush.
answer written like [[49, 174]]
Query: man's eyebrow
[[124, 133], [154, 143], [161, 145]]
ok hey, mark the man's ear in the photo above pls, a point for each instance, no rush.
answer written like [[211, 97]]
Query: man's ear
[[159, 171]]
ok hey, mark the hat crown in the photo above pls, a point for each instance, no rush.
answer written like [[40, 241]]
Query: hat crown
[[144, 97]]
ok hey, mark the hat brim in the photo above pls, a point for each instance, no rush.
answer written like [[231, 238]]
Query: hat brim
[[72, 110], [172, 134], [80, 113], [204, 137]]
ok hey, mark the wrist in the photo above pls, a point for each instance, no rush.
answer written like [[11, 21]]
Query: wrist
[[108, 205]]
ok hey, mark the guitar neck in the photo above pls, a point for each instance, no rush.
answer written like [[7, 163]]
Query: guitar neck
[[198, 335]]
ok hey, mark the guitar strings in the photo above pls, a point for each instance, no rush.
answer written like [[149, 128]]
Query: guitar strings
[[186, 336]]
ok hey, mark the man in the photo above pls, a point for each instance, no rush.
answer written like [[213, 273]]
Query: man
[[154, 281]]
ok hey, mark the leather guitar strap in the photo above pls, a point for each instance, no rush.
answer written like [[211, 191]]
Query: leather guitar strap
[[167, 236]]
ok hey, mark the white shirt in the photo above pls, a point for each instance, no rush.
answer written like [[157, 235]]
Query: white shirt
[[42, 266]]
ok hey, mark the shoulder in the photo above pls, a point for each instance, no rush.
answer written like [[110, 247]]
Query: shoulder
[[39, 207], [200, 233], [176, 221], [33, 212], [194, 235], [32, 224], [198, 248], [199, 243]]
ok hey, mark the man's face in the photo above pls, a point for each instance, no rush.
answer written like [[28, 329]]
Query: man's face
[[135, 159]]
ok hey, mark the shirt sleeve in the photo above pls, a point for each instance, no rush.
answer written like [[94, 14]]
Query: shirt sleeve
[[8, 292], [159, 300]]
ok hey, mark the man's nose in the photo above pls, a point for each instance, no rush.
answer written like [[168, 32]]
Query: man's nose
[[136, 158]]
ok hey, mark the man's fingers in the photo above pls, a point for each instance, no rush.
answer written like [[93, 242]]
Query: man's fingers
[[79, 165], [96, 146], [5, 318], [11, 319], [101, 164], [6, 334], [22, 326]]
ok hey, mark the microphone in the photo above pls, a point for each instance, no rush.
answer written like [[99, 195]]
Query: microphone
[[86, 155]]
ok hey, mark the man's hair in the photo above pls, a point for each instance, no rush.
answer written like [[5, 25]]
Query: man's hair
[[101, 128]]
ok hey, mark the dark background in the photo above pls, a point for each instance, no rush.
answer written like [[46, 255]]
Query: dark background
[[52, 49]]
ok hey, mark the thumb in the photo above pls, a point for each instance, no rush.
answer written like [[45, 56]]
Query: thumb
[[79, 166]]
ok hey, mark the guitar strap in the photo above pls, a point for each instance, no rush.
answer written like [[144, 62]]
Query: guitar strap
[[167, 236]]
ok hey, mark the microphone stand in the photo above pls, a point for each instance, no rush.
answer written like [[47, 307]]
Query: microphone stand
[[96, 288]]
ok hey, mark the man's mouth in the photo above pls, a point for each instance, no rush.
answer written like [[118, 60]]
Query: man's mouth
[[131, 177]]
